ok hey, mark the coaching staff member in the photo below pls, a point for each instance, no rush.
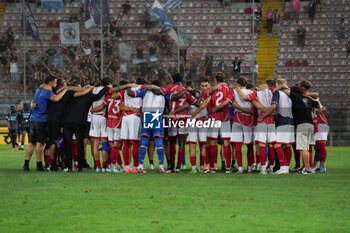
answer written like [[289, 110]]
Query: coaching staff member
[[75, 121], [302, 108], [38, 122]]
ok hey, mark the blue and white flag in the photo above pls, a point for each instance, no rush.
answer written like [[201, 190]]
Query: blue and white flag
[[70, 33], [51, 4], [93, 13], [172, 4], [30, 26], [174, 32]]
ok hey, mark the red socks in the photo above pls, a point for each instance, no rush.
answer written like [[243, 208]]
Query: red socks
[[126, 153], [47, 159], [193, 160], [288, 154], [135, 154], [310, 156], [172, 151], [238, 151], [227, 153], [272, 155], [105, 164], [280, 154], [213, 152], [181, 154], [97, 163], [262, 155], [250, 154], [322, 151]]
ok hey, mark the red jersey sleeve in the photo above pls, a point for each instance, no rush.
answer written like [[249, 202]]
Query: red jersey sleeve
[[229, 94], [253, 96], [190, 98], [106, 100], [165, 90], [205, 95]]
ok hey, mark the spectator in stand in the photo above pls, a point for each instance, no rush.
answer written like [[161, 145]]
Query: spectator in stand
[[312, 10], [4, 63], [10, 36], [295, 9], [341, 32], [258, 15], [348, 48], [237, 67], [301, 32], [222, 67], [126, 8], [148, 18], [269, 21], [13, 71], [276, 24]]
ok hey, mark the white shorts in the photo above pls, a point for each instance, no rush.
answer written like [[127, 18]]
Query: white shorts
[[285, 134], [113, 134], [98, 128], [241, 133], [196, 134], [174, 131], [130, 128], [265, 133], [322, 134], [224, 131]]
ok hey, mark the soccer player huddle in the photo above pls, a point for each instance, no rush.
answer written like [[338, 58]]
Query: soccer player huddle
[[129, 120]]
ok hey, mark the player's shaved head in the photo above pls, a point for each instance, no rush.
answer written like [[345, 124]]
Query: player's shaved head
[[281, 81]]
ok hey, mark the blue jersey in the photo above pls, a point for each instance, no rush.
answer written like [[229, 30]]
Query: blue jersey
[[41, 99]]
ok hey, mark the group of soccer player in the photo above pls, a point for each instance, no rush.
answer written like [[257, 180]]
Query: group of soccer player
[[114, 118]]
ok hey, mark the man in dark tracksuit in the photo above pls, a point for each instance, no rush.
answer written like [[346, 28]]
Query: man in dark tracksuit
[[75, 121]]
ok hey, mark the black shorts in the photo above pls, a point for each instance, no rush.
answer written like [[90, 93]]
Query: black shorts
[[54, 130], [25, 129], [13, 132], [38, 132], [87, 130]]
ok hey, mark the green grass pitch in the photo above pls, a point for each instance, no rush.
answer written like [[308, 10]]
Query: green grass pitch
[[152, 202]]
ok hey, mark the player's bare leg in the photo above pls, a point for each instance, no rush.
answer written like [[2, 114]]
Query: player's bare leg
[[39, 156], [28, 156], [150, 152], [95, 152], [203, 155], [193, 157]]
